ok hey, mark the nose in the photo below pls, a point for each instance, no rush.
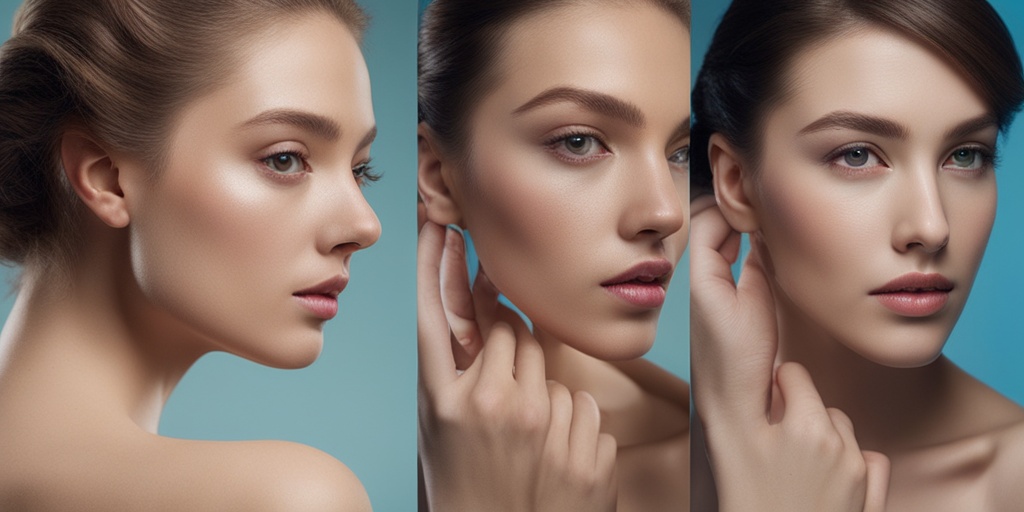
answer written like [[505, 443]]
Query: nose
[[922, 224], [655, 207], [350, 223]]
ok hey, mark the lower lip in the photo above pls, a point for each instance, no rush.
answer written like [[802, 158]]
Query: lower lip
[[323, 306], [914, 304], [638, 294]]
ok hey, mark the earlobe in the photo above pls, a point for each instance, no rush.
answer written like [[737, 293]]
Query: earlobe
[[94, 176], [731, 185], [431, 176]]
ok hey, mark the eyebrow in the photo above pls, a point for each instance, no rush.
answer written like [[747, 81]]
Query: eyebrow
[[368, 138], [683, 131], [316, 124], [594, 101], [859, 122], [971, 126]]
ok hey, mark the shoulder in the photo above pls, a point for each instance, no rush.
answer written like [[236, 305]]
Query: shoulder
[[276, 476], [147, 472], [1007, 471], [657, 381]]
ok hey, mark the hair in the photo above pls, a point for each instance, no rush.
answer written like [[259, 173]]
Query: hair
[[744, 72], [459, 43], [121, 70]]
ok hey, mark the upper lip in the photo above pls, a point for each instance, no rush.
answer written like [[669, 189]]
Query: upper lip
[[915, 282], [330, 287], [655, 271]]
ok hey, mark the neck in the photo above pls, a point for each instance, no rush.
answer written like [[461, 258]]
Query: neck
[[93, 340], [894, 410], [631, 413]]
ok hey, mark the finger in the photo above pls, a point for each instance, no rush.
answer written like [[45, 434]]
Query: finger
[[457, 300], [586, 425], [485, 300], [560, 400], [801, 401], [607, 451], [529, 369], [436, 362], [498, 355], [879, 469], [842, 424], [714, 246]]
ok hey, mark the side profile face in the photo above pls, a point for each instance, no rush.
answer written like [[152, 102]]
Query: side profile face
[[876, 193], [246, 234], [578, 171]]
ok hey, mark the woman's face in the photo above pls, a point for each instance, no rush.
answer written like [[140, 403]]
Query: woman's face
[[876, 193], [578, 170], [246, 234]]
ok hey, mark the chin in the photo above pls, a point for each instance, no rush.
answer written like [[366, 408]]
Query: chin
[[900, 353], [615, 343], [287, 352]]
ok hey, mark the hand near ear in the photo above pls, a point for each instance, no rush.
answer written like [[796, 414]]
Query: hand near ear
[[772, 443], [497, 436]]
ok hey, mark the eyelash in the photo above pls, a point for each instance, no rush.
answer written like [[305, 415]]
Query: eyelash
[[363, 172], [556, 145], [988, 159]]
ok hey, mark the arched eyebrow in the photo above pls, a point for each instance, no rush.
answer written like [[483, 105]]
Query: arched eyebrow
[[860, 122], [593, 101], [316, 124], [972, 126], [683, 131]]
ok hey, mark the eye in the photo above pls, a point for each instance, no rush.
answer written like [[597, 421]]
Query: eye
[[681, 158], [285, 163], [577, 148], [365, 173], [855, 158], [968, 159]]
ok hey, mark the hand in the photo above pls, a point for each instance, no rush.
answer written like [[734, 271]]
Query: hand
[[773, 444], [497, 436]]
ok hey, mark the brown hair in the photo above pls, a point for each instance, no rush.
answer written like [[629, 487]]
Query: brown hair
[[743, 75], [458, 44], [121, 69]]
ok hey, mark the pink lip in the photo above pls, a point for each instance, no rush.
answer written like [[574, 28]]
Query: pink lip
[[322, 299], [915, 294], [643, 285]]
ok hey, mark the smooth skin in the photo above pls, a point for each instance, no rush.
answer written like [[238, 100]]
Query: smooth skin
[[836, 210], [205, 256], [562, 192]]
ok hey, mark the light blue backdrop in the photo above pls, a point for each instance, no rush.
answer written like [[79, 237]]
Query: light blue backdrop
[[358, 401], [987, 342]]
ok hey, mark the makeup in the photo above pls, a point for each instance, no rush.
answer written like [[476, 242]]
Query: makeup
[[915, 294], [322, 299], [643, 285]]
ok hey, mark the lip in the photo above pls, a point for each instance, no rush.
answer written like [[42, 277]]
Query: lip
[[643, 285], [915, 294], [322, 299]]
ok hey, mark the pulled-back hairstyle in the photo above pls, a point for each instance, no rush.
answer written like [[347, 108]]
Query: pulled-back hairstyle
[[744, 72], [121, 70], [459, 42]]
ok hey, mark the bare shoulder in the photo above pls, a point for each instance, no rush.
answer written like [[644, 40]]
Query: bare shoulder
[[272, 476], [1007, 471], [140, 471]]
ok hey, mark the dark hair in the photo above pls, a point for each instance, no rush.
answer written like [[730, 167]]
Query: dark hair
[[120, 69], [743, 75], [458, 44]]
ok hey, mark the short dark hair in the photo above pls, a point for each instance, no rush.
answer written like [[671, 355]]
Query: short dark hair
[[742, 77], [458, 44]]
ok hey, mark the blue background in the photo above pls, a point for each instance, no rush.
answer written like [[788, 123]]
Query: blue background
[[358, 401], [987, 342]]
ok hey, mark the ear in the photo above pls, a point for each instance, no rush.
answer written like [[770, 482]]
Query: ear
[[94, 176], [732, 188], [432, 177]]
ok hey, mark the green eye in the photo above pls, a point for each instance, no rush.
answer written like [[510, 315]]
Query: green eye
[[965, 157]]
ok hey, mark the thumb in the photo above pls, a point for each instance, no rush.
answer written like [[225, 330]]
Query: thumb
[[878, 468]]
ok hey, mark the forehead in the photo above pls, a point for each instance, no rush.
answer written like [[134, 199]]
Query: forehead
[[311, 63], [635, 51], [880, 72]]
